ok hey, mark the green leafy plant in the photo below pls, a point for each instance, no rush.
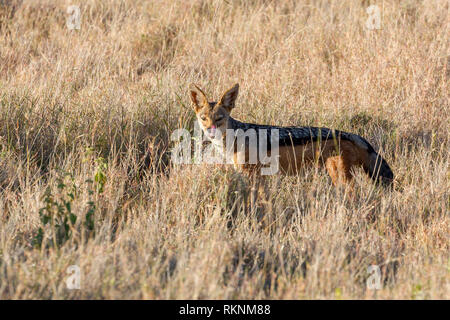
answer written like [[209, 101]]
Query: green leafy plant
[[100, 175], [57, 216]]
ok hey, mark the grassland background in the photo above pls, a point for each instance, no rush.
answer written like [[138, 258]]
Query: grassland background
[[93, 109]]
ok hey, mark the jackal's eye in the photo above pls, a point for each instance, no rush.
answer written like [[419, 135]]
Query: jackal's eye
[[203, 118]]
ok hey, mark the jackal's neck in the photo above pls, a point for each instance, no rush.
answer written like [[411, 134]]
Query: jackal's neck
[[235, 124], [232, 124]]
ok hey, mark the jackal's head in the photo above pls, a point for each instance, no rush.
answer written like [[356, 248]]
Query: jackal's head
[[213, 116]]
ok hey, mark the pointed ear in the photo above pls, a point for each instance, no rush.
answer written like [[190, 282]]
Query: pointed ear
[[229, 98], [198, 97]]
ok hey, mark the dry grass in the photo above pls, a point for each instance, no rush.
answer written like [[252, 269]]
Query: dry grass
[[94, 108]]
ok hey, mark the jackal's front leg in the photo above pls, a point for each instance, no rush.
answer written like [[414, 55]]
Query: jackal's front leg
[[259, 192], [254, 180]]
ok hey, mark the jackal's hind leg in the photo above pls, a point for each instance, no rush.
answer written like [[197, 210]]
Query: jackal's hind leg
[[339, 170]]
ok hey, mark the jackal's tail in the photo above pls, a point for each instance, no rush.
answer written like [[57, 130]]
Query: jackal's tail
[[377, 168]]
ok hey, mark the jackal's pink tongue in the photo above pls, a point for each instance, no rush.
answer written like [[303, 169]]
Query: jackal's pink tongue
[[212, 131]]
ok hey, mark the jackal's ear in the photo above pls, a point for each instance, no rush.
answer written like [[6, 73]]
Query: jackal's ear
[[229, 98], [198, 97]]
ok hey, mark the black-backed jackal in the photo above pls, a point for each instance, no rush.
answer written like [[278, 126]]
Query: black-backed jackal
[[298, 147]]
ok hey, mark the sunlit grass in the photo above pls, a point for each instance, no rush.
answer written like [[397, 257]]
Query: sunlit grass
[[94, 108]]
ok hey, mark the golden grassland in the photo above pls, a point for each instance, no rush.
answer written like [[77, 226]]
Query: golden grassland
[[85, 171]]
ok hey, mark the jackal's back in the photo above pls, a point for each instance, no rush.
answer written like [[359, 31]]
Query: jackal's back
[[293, 136]]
